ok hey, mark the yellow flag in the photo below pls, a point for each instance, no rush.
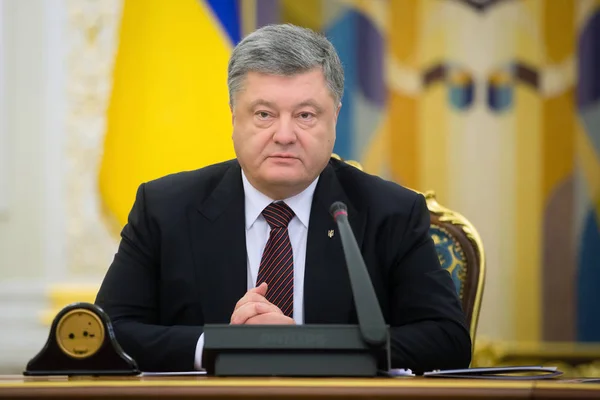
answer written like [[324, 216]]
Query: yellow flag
[[169, 106]]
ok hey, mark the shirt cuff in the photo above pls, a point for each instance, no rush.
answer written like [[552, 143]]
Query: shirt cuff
[[198, 357]]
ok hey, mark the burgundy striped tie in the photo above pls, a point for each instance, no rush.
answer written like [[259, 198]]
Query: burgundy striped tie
[[277, 263]]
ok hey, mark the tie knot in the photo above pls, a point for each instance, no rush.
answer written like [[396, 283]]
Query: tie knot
[[278, 215]]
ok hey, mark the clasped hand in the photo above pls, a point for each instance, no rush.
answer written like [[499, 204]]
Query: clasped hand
[[255, 309]]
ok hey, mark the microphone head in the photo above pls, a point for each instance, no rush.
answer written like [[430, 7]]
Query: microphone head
[[338, 208]]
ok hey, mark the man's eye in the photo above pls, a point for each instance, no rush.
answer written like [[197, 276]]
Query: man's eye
[[263, 114], [306, 115]]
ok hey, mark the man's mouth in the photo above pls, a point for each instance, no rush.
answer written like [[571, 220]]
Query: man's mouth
[[283, 156]]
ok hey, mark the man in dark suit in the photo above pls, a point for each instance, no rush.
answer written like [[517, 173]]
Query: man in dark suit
[[251, 241]]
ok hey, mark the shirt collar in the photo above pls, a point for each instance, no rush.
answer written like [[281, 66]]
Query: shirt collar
[[256, 201]]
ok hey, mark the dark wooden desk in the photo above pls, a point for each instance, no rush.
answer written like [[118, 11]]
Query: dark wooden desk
[[260, 388]]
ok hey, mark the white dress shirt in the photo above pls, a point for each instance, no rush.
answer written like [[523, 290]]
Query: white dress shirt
[[257, 234]]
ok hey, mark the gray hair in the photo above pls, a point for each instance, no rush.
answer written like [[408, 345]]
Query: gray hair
[[285, 50]]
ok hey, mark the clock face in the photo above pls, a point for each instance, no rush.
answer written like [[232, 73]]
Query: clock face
[[80, 333]]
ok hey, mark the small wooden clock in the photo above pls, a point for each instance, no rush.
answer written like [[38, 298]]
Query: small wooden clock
[[81, 342]]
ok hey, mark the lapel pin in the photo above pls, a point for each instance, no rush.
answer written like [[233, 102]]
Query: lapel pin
[[330, 233]]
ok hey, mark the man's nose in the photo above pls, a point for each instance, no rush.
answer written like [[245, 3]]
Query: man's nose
[[285, 133]]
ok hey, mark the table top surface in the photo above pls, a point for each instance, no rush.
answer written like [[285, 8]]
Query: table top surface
[[198, 386], [19, 381]]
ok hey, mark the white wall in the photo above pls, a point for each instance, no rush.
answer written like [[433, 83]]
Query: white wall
[[20, 234], [31, 233], [3, 134]]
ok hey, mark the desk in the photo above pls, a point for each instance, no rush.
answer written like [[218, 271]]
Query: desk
[[286, 388]]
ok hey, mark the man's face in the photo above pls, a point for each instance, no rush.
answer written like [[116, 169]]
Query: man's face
[[284, 130]]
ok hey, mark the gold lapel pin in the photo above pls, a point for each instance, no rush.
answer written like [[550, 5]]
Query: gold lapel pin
[[330, 233]]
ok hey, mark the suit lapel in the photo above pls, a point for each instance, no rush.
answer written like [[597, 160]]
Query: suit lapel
[[219, 246], [327, 291]]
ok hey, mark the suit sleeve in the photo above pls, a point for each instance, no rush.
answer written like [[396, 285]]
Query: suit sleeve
[[129, 295], [428, 325]]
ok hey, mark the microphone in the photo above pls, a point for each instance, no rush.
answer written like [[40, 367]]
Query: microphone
[[370, 319]]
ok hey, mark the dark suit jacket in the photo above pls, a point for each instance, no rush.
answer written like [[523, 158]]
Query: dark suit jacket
[[182, 263]]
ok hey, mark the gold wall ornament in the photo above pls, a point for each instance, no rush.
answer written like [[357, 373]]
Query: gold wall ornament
[[92, 34]]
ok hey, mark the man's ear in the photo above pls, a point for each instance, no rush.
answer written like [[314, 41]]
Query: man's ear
[[337, 112], [232, 114]]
